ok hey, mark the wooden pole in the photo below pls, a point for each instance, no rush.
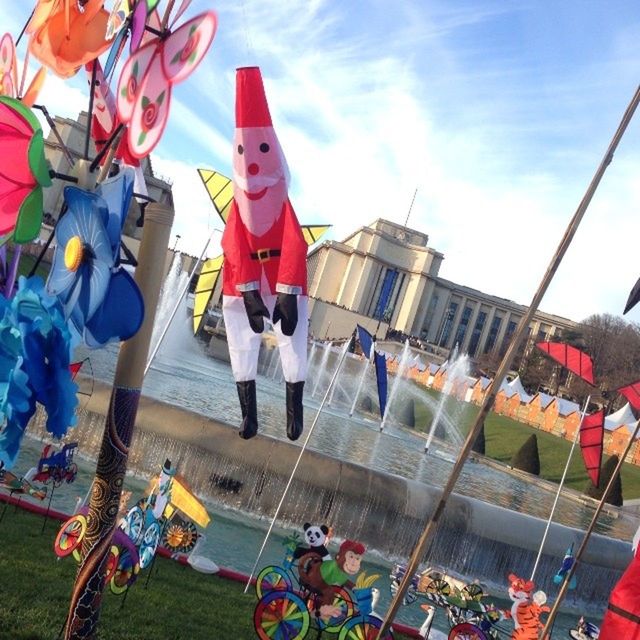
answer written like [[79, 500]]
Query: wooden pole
[[583, 546], [86, 597], [518, 337]]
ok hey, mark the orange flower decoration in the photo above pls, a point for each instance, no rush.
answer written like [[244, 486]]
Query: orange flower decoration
[[64, 38]]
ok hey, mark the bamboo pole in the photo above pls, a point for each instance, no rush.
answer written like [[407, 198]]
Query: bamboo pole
[[425, 537], [583, 546], [86, 597]]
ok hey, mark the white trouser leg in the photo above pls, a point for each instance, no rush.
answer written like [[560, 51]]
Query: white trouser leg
[[244, 344], [293, 349]]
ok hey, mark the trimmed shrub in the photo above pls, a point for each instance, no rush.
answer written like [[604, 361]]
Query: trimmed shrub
[[408, 413], [615, 495], [479, 444], [527, 457]]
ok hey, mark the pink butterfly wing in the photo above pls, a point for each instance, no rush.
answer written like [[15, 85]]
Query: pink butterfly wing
[[183, 7], [184, 49], [8, 66], [153, 22], [151, 111], [131, 78]]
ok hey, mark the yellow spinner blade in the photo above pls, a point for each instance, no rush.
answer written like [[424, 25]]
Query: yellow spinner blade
[[183, 500], [206, 284], [220, 190], [313, 232]]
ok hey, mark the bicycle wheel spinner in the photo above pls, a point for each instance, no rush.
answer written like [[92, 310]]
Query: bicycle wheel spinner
[[281, 615]]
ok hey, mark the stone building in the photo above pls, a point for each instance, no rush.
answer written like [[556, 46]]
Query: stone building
[[389, 275]]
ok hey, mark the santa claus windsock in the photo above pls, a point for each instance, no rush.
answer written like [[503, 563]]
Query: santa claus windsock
[[265, 259]]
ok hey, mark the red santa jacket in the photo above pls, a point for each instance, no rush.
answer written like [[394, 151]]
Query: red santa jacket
[[281, 252], [622, 619]]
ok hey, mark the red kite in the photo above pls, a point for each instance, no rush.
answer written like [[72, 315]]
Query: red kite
[[632, 393], [591, 437], [570, 358]]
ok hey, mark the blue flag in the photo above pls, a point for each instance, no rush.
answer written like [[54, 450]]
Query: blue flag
[[381, 377], [366, 341]]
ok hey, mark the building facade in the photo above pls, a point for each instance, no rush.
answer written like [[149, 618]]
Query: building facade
[[388, 273]]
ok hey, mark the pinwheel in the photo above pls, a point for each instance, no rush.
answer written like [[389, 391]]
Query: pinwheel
[[23, 172], [35, 344], [65, 35], [8, 67], [85, 275], [144, 90]]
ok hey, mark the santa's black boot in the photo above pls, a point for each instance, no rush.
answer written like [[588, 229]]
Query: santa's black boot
[[248, 404], [294, 409]]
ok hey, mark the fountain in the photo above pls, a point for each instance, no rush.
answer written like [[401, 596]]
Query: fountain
[[368, 484], [457, 371]]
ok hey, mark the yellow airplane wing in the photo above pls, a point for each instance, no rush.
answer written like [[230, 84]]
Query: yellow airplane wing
[[220, 190]]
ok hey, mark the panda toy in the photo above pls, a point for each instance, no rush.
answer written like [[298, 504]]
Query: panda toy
[[315, 536]]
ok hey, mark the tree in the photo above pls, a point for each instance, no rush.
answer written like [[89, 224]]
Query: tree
[[615, 495], [614, 345], [479, 443], [527, 457]]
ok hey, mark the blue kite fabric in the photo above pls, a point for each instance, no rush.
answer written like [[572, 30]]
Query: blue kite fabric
[[35, 347], [367, 344], [86, 274]]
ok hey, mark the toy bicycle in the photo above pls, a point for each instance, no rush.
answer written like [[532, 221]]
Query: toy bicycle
[[285, 611]]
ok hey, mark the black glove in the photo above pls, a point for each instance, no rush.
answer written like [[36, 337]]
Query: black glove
[[255, 310], [286, 310]]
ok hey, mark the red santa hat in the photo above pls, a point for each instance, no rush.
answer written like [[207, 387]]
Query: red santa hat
[[252, 109]]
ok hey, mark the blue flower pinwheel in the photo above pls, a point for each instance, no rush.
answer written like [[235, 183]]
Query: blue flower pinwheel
[[86, 275], [35, 348]]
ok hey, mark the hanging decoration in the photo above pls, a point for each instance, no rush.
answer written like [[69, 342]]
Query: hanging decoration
[[265, 273], [57, 466], [8, 67], [144, 90], [66, 34], [86, 274], [23, 172], [567, 563], [34, 366]]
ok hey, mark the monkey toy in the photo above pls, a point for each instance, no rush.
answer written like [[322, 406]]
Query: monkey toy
[[320, 577]]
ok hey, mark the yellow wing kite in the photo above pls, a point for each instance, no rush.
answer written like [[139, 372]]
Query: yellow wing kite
[[220, 190], [204, 289]]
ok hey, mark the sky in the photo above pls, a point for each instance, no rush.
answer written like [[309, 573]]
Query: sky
[[498, 113]]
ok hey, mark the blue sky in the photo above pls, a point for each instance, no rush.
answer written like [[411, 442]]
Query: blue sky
[[498, 112]]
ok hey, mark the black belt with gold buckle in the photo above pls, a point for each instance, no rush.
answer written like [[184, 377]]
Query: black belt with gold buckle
[[265, 254]]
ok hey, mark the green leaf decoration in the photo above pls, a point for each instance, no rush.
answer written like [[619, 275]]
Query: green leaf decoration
[[192, 57], [29, 218], [37, 161], [135, 69], [176, 57], [123, 92], [193, 29], [145, 102], [160, 98], [142, 137]]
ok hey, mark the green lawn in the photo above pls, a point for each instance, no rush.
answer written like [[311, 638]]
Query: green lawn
[[178, 604], [505, 436]]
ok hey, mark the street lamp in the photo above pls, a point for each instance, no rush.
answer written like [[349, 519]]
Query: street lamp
[[175, 244]]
